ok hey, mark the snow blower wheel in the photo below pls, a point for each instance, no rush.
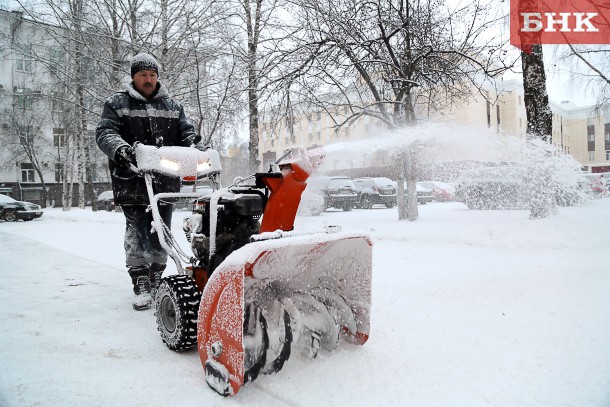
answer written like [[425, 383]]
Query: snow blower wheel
[[176, 305]]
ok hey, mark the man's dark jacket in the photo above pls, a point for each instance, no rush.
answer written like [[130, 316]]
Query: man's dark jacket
[[129, 117]]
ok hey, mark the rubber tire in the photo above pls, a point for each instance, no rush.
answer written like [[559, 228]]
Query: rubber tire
[[389, 205], [366, 202], [347, 207], [176, 309], [10, 215]]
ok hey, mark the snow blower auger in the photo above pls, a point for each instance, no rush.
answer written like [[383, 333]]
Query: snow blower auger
[[256, 293]]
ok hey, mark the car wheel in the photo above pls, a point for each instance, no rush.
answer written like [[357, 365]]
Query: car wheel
[[366, 202], [108, 207], [389, 204], [347, 207], [10, 215]]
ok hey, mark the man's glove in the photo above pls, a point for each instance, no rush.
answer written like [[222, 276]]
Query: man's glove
[[201, 147], [125, 157]]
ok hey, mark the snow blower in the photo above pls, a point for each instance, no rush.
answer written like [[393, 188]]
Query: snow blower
[[255, 292]]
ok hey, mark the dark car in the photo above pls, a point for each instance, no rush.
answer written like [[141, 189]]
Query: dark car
[[12, 210], [338, 192], [424, 195], [105, 201], [378, 190]]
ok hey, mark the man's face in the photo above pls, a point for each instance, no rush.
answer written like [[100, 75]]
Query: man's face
[[145, 82]]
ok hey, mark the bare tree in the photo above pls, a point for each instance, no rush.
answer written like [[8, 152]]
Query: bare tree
[[383, 58], [539, 117], [589, 65], [21, 139]]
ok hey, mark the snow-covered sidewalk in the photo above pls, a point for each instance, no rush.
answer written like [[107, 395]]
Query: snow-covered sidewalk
[[470, 308]]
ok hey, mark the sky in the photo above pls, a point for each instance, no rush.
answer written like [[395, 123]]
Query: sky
[[469, 308]]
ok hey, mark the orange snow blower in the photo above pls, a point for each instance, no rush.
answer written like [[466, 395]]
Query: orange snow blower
[[255, 292]]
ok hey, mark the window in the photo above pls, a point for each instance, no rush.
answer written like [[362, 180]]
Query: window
[[591, 132], [591, 138], [31, 194], [23, 97], [488, 113], [58, 168], [591, 155], [27, 172], [57, 57], [607, 155], [57, 102], [59, 137], [23, 62]]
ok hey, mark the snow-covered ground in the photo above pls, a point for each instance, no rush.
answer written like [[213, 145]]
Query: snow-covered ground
[[470, 308]]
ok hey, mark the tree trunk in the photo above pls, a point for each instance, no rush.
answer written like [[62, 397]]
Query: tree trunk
[[412, 162], [539, 126], [401, 201], [536, 98], [253, 27]]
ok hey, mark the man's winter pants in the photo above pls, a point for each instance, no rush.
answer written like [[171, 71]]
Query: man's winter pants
[[142, 247]]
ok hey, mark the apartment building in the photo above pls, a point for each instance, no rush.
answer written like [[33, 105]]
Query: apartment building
[[36, 121]]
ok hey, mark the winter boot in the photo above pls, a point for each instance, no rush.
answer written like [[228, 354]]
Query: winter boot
[[156, 274], [141, 288]]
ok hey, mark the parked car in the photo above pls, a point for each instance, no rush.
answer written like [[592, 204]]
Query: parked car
[[441, 191], [424, 195], [189, 203], [12, 210], [501, 187], [338, 192], [594, 185], [372, 191], [105, 201]]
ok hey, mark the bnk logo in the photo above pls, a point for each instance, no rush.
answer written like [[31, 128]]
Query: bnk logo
[[559, 22]]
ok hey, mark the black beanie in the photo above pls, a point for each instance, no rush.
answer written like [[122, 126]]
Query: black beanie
[[143, 62]]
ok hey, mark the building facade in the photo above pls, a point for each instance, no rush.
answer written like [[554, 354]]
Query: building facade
[[583, 132], [38, 124]]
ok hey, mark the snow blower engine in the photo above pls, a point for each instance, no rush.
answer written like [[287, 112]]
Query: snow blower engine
[[254, 292]]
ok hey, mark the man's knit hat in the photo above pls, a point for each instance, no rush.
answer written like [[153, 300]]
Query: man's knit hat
[[143, 62]]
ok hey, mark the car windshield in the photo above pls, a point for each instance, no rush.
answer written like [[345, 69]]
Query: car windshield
[[338, 183], [6, 198]]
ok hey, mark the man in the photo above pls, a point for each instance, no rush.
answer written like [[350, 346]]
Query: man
[[144, 113]]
